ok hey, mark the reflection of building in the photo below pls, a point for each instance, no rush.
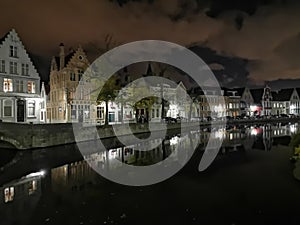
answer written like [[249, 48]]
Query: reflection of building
[[18, 199], [65, 103], [19, 83], [72, 176]]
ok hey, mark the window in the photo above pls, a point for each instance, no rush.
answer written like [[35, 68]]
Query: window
[[111, 117], [7, 108], [31, 109], [20, 86], [2, 66], [9, 194], [87, 111], [31, 87], [13, 67], [80, 73], [32, 187], [72, 76], [25, 69], [100, 112], [73, 111], [7, 85], [13, 51]]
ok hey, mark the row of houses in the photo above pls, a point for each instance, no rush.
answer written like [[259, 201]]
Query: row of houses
[[23, 96]]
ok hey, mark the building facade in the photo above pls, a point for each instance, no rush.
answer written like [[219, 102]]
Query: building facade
[[20, 95], [285, 101], [69, 97]]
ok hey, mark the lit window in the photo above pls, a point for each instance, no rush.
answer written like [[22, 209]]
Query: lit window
[[72, 76], [31, 109], [9, 194], [31, 87], [87, 111], [100, 112], [73, 111], [111, 117], [7, 85], [32, 187]]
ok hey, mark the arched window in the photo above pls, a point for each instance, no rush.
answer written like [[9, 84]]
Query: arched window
[[7, 108]]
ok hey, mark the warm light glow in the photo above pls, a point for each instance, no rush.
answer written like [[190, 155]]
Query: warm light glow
[[253, 108], [37, 174]]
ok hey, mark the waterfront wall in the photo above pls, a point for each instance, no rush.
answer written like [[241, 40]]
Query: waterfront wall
[[31, 136]]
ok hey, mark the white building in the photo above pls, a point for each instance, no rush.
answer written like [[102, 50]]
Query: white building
[[20, 99], [286, 101]]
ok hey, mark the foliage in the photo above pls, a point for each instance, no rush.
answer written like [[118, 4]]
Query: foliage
[[295, 141]]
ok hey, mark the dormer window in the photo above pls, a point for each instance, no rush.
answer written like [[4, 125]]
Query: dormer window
[[13, 51]]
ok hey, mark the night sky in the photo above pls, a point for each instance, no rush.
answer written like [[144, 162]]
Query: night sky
[[251, 41]]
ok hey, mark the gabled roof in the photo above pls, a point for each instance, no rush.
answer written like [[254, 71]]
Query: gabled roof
[[283, 94], [67, 59], [230, 92], [257, 94], [4, 37], [240, 91], [298, 91]]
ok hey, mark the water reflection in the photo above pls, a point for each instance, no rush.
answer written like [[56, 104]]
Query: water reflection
[[19, 198], [70, 172]]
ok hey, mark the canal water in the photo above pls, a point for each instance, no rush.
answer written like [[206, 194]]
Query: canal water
[[249, 182]]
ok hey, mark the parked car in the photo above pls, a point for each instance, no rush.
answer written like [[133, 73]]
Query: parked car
[[209, 118], [196, 119], [181, 119], [169, 119], [284, 116], [229, 118]]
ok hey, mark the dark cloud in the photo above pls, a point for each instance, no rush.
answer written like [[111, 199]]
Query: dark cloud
[[256, 36]]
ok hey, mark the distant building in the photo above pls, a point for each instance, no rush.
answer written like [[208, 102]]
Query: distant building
[[20, 96], [65, 104], [233, 103], [246, 100], [267, 101], [286, 101]]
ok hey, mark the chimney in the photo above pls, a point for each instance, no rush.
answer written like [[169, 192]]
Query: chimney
[[61, 56]]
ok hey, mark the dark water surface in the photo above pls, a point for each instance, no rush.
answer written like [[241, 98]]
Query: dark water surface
[[250, 182]]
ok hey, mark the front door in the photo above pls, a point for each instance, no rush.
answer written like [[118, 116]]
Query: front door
[[20, 111]]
